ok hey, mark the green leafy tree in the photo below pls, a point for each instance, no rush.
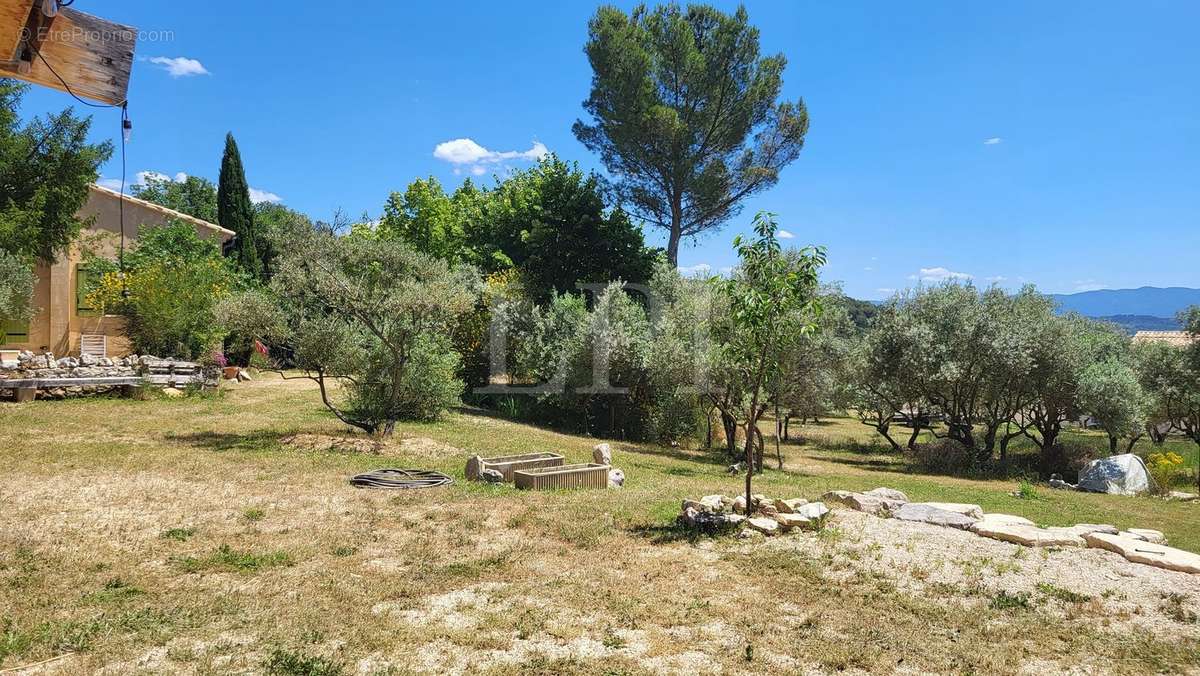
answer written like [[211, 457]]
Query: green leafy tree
[[769, 288], [685, 113], [270, 220], [1183, 397], [1110, 393], [811, 377], [428, 219], [886, 371], [551, 222], [45, 169], [236, 212], [194, 196], [1062, 348]]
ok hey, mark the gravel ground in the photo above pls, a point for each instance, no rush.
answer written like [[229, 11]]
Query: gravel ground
[[966, 568]]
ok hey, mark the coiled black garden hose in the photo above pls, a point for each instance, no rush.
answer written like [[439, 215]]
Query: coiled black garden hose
[[401, 479]]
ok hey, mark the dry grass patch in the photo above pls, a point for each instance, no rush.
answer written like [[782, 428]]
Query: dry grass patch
[[210, 544]]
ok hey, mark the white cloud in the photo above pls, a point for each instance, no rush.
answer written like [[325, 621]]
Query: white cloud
[[464, 151], [868, 269], [697, 269], [940, 274], [110, 183], [180, 66], [993, 141], [886, 291], [997, 279], [784, 234], [259, 196]]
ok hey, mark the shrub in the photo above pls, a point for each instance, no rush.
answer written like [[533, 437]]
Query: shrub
[[944, 456], [171, 285], [428, 386], [1068, 458], [1166, 469]]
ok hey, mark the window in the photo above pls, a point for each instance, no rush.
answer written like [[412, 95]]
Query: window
[[14, 332], [85, 281]]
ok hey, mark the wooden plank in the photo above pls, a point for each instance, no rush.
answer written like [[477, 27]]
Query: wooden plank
[[94, 56], [13, 14], [101, 381], [48, 383]]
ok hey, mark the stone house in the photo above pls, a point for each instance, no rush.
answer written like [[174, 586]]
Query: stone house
[[64, 324]]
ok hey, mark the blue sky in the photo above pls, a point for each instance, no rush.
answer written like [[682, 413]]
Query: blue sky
[[1052, 143]]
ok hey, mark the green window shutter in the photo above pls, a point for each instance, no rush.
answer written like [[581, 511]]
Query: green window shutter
[[14, 332], [83, 284]]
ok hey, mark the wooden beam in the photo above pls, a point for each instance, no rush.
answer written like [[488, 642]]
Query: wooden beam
[[13, 15], [93, 56]]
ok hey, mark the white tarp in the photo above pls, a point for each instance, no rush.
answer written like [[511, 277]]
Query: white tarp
[[1120, 475]]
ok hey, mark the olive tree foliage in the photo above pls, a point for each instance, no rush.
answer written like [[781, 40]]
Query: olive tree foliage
[[811, 379], [1109, 392], [685, 113], [367, 315], [885, 386], [1171, 378], [1063, 348], [993, 366], [581, 367], [1158, 366]]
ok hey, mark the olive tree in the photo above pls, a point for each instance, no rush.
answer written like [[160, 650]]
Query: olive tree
[[886, 374], [367, 320], [1110, 393]]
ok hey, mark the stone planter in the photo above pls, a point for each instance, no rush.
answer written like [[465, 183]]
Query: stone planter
[[566, 477], [507, 464]]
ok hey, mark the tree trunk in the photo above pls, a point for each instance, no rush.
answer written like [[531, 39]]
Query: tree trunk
[[778, 434], [912, 438], [1112, 445], [676, 230], [1133, 439], [884, 430], [730, 425]]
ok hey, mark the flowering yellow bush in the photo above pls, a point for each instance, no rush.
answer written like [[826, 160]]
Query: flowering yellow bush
[[1165, 468], [171, 284]]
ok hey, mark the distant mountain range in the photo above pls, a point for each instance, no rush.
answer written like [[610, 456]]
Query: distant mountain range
[[1146, 309], [1147, 301]]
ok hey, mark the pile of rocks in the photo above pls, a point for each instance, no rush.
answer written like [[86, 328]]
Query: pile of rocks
[[1140, 545], [767, 516]]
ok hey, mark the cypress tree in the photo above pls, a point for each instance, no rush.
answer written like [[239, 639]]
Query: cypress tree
[[235, 211]]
